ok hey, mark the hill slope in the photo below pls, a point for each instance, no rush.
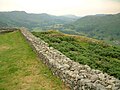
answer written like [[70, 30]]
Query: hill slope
[[105, 27], [96, 54], [20, 69], [23, 19]]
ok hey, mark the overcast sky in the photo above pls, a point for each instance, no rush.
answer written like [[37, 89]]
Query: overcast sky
[[62, 7]]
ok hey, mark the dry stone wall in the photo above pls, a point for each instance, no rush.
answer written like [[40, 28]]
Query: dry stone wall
[[75, 75], [7, 29]]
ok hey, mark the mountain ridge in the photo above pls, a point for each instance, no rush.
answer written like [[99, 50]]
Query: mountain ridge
[[105, 27], [30, 20]]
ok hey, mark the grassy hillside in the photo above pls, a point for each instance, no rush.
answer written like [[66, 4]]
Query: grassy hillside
[[23, 19], [96, 54], [105, 27], [20, 69]]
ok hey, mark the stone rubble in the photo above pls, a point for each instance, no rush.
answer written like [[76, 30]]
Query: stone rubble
[[7, 30], [75, 75]]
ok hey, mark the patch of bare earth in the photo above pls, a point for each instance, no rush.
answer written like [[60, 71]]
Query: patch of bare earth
[[4, 47]]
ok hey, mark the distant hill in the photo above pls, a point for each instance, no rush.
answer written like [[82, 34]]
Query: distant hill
[[71, 16], [101, 14], [21, 18], [2, 24], [104, 27]]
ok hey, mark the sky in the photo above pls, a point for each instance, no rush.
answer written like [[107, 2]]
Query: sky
[[62, 7]]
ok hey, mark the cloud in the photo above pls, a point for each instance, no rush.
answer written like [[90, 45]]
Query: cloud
[[60, 7]]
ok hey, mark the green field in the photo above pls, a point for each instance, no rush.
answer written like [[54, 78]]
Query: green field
[[96, 54], [20, 69]]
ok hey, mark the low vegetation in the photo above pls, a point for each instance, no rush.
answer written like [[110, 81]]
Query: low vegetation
[[20, 69], [94, 53]]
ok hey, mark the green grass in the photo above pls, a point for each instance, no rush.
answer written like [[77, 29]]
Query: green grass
[[96, 54], [20, 69]]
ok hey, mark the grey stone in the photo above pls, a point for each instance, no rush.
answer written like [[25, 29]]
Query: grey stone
[[109, 87], [94, 77], [101, 76], [100, 87]]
